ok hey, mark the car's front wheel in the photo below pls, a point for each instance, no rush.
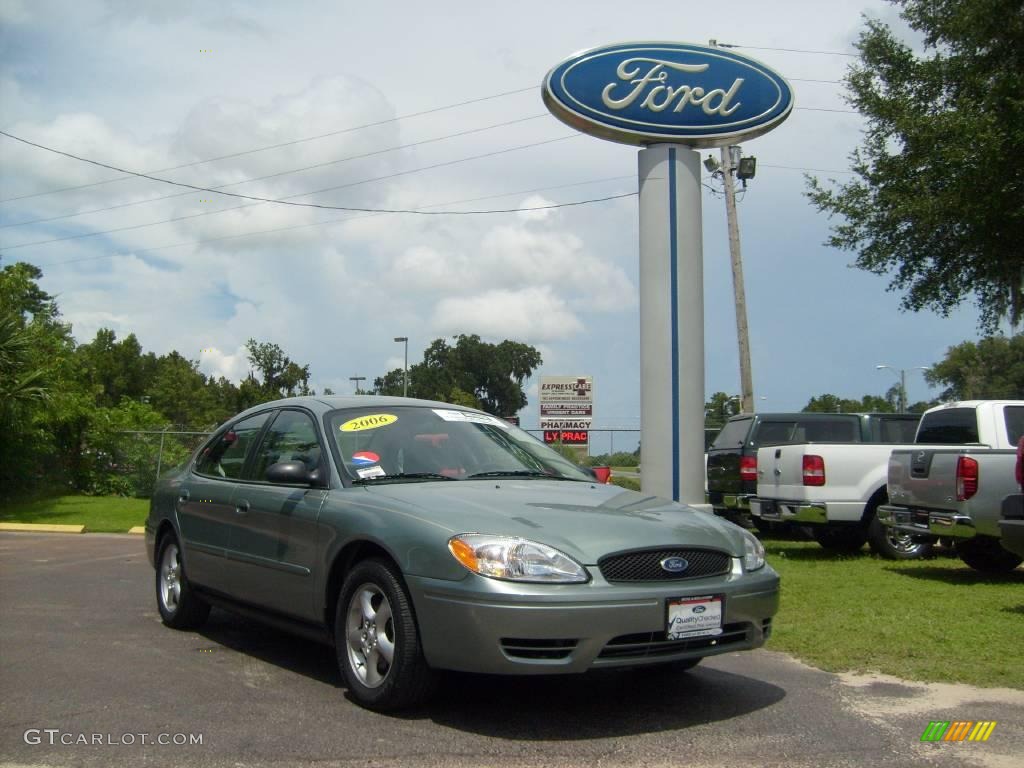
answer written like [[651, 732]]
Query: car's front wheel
[[377, 642], [180, 607]]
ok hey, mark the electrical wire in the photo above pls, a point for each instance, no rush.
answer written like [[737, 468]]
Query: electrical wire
[[289, 201], [788, 50], [280, 145], [278, 174], [343, 219]]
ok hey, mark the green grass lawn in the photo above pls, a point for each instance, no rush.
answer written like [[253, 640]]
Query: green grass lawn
[[933, 620], [99, 514]]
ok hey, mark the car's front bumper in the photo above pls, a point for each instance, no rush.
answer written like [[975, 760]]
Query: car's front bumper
[[484, 625], [927, 522]]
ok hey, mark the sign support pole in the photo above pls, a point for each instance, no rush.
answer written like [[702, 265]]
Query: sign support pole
[[672, 352]]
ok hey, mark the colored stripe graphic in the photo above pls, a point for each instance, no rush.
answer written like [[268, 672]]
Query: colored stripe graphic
[[982, 731], [673, 247], [958, 730], [935, 731]]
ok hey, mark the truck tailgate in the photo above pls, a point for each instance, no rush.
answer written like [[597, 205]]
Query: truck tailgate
[[780, 472]]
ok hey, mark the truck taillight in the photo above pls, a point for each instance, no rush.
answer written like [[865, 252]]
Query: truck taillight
[[966, 478], [748, 468], [814, 470]]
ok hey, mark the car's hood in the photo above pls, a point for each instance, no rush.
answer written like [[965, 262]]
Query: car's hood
[[586, 521]]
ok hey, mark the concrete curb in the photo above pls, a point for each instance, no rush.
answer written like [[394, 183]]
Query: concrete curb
[[138, 529], [42, 528]]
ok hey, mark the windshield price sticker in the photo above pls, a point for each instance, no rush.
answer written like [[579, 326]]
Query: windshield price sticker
[[694, 617], [371, 421], [473, 418], [369, 472]]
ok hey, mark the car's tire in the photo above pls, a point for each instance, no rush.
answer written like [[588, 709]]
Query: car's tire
[[180, 607], [763, 526], [893, 545], [985, 554], [845, 539], [373, 590]]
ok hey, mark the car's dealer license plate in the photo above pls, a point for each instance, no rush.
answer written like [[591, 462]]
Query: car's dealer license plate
[[694, 617]]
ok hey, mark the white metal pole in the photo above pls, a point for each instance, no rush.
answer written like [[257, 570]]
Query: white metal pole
[[672, 353]]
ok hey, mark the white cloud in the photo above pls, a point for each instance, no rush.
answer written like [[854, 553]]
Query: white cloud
[[533, 314], [537, 202], [14, 12]]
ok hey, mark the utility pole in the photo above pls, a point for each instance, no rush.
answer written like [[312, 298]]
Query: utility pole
[[729, 163], [357, 379]]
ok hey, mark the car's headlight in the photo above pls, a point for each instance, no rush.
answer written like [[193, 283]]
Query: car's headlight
[[753, 553], [515, 559]]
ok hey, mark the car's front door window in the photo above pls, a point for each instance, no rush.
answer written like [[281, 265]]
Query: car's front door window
[[225, 457]]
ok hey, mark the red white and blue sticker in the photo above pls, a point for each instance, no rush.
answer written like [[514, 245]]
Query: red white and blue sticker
[[365, 458]]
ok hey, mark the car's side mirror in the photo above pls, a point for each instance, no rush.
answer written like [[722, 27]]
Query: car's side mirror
[[290, 473]]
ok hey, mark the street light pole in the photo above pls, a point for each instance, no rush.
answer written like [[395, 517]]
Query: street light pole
[[357, 379], [903, 381], [405, 370]]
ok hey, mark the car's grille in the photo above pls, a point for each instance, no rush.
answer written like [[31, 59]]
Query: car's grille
[[530, 648], [653, 644], [645, 565]]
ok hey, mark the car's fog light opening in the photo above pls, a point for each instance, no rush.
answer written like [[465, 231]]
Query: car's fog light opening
[[530, 648]]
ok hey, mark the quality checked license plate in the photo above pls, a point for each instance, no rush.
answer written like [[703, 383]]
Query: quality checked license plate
[[694, 617]]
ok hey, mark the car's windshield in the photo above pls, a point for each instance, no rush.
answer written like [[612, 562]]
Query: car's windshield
[[418, 443]]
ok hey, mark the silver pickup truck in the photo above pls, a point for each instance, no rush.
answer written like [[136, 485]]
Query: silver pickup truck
[[952, 483]]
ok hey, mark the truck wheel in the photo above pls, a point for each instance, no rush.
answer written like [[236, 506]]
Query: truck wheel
[[985, 554], [894, 545], [846, 538]]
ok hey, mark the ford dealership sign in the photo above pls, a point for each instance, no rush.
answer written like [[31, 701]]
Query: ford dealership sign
[[647, 93]]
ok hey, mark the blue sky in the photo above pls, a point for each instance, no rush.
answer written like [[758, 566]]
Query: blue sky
[[147, 85]]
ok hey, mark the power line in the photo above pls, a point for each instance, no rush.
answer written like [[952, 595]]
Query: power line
[[279, 173], [798, 168], [278, 146], [286, 200], [788, 50], [826, 109], [342, 219]]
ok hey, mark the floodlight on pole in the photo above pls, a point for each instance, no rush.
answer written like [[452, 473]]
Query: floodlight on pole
[[357, 379], [405, 370], [902, 374]]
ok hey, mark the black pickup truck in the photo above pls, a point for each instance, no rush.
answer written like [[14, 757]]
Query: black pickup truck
[[732, 458]]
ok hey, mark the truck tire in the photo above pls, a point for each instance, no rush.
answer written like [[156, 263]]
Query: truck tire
[[844, 538], [985, 554], [893, 545]]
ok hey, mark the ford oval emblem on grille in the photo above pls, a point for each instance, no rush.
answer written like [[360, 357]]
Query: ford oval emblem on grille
[[674, 564]]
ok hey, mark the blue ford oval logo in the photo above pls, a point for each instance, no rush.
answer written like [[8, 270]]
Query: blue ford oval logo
[[699, 609], [674, 564], [643, 93]]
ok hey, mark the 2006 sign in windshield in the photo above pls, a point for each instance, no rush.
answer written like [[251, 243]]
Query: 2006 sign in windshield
[[370, 421]]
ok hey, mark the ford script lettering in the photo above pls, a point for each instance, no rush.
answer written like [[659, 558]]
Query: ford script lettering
[[646, 93]]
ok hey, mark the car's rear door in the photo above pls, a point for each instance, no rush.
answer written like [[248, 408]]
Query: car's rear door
[[273, 538], [204, 504]]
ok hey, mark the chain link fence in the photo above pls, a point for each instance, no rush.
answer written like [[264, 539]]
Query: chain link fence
[[140, 460]]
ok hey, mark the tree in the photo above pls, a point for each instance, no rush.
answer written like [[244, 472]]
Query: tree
[[991, 369], [937, 201], [829, 403], [471, 372], [719, 408], [278, 376]]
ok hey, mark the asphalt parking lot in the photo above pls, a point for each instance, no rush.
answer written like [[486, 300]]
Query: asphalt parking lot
[[83, 656]]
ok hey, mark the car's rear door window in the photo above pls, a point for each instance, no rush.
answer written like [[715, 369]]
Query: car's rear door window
[[225, 456]]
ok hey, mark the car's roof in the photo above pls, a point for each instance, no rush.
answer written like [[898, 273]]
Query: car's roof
[[324, 403]]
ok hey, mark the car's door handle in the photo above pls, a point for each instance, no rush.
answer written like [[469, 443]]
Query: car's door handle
[[183, 496], [242, 507]]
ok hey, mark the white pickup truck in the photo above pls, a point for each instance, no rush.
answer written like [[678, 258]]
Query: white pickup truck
[[835, 490], [953, 481]]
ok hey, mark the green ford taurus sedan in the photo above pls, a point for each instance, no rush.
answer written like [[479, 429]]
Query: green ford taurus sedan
[[416, 536]]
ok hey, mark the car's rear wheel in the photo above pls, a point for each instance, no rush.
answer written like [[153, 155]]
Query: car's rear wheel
[[986, 554], [377, 642], [846, 538], [180, 607], [895, 545]]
